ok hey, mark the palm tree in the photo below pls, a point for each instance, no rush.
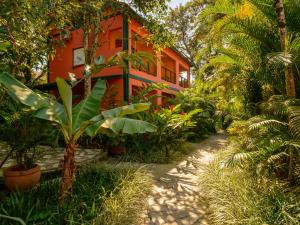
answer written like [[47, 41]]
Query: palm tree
[[242, 39], [283, 33]]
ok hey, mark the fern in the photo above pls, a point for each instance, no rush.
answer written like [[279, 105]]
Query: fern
[[268, 124]]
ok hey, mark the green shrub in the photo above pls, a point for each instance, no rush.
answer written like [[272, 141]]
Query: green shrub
[[101, 195], [205, 121], [234, 196], [173, 129]]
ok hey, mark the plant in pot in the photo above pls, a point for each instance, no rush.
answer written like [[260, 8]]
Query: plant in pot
[[22, 133]]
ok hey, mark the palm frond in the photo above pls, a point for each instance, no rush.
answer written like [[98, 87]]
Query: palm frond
[[294, 121], [239, 158], [268, 124]]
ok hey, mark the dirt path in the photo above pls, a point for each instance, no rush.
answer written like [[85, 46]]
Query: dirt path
[[175, 196]]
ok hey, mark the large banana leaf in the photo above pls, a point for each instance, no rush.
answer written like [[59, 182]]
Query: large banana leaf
[[125, 110], [65, 92], [127, 126], [46, 108], [89, 107]]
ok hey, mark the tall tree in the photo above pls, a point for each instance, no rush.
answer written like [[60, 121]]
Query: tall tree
[[25, 26], [283, 33], [187, 30]]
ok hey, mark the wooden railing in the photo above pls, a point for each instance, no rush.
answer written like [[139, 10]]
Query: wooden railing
[[168, 75], [183, 82]]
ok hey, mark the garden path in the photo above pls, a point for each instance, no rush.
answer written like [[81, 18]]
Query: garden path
[[48, 158], [175, 197]]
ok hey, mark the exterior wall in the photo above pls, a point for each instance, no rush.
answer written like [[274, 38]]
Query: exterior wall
[[135, 27], [117, 28], [63, 61]]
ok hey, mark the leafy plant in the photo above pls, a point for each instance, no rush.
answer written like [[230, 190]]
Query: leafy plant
[[23, 133], [173, 128], [205, 121], [74, 121], [102, 194], [235, 196], [276, 148]]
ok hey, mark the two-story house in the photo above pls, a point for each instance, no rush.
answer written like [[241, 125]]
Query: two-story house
[[122, 33]]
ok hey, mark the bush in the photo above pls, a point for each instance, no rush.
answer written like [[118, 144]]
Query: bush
[[236, 197], [205, 121], [173, 128], [101, 195]]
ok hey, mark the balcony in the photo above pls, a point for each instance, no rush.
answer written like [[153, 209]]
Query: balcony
[[183, 82], [168, 68], [168, 75], [183, 77], [140, 45]]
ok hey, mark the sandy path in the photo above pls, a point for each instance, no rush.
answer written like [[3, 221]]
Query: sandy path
[[175, 196]]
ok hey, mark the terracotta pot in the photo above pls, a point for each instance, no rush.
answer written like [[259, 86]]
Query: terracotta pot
[[21, 179], [116, 150]]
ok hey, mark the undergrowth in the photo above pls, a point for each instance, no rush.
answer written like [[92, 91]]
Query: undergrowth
[[156, 154], [236, 197], [102, 195]]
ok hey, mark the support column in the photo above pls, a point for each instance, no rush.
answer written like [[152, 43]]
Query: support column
[[126, 48], [158, 65], [189, 77], [177, 73], [159, 99]]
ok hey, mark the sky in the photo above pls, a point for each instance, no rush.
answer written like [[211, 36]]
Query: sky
[[175, 3]]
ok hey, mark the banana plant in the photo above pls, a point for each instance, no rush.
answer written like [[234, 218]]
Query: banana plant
[[73, 121]]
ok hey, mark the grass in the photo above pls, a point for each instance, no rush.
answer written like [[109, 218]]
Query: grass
[[156, 154], [236, 197], [102, 195]]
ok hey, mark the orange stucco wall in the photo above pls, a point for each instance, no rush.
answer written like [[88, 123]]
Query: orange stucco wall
[[136, 28], [62, 63]]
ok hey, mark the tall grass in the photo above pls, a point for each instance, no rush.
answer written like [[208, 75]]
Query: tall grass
[[102, 195], [236, 197]]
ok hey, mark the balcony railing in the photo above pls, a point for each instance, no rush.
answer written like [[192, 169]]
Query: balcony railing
[[183, 82], [168, 75]]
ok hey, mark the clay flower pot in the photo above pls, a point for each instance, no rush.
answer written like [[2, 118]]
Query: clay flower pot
[[15, 178]]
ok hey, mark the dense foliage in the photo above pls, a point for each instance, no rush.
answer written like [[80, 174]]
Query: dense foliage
[[102, 195], [234, 196], [186, 118]]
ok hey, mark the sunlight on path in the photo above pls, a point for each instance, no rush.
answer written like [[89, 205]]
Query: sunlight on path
[[175, 196]]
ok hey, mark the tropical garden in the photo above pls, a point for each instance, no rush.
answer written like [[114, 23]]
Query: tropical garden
[[245, 84]]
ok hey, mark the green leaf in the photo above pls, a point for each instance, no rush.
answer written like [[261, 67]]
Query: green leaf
[[127, 126], [96, 123], [89, 107], [19, 91], [125, 110], [65, 92], [4, 46], [45, 107]]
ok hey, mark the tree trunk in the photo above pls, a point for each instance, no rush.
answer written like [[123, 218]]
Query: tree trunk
[[87, 80], [292, 163], [68, 170], [87, 86], [288, 71]]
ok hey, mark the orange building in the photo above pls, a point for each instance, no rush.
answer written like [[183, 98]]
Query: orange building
[[122, 33]]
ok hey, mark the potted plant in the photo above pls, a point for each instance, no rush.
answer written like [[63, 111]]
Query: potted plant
[[22, 133]]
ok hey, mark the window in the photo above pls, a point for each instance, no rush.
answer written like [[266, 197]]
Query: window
[[118, 43], [116, 38], [78, 57]]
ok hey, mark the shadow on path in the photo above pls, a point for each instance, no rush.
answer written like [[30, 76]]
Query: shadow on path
[[175, 198]]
